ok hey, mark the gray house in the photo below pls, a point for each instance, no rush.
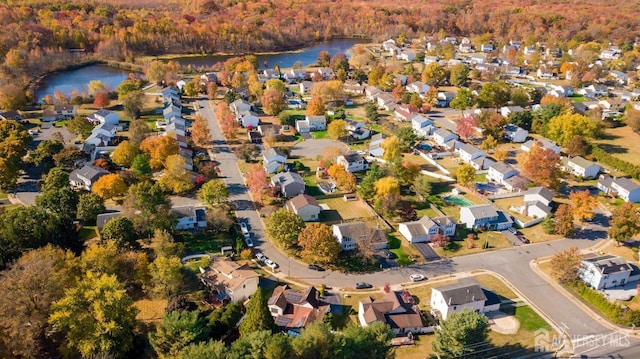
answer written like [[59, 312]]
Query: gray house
[[290, 184], [485, 216], [86, 176]]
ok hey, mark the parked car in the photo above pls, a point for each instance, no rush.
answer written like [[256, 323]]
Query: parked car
[[271, 264], [248, 241], [363, 285], [417, 277], [243, 227], [261, 257], [246, 235], [523, 239], [512, 230], [316, 267]]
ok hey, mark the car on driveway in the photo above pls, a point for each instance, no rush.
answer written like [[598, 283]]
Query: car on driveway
[[261, 257], [363, 285], [271, 264], [417, 277], [248, 241], [523, 239], [316, 267], [244, 228]]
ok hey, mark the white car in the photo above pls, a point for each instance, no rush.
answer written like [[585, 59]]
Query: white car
[[417, 277], [261, 257], [271, 264], [244, 228], [249, 242]]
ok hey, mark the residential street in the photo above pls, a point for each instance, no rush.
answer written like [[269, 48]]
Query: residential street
[[512, 263]]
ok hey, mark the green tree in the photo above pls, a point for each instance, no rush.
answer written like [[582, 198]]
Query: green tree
[[43, 155], [97, 317], [422, 187], [138, 131], [90, 205], [372, 342], [258, 317], [126, 87], [625, 222], [408, 138], [459, 75], [522, 119], [124, 154], [63, 202], [132, 103], [337, 129], [460, 332], [464, 99], [466, 174], [284, 227], [140, 165], [120, 230], [79, 126], [367, 190], [177, 331], [223, 320], [543, 115], [318, 243], [213, 192], [68, 157], [316, 341], [565, 265], [56, 179], [494, 94], [212, 349], [434, 74], [520, 97], [166, 277]]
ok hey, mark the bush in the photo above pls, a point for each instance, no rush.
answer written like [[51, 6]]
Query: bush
[[615, 312], [606, 158]]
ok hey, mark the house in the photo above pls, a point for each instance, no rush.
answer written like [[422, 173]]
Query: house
[[189, 217], [506, 110], [610, 54], [404, 112], [353, 162], [49, 116], [529, 50], [267, 129], [290, 184], [375, 146], [397, 309], [208, 77], [426, 228], [546, 144], [171, 111], [418, 88], [515, 134], [536, 203], [351, 233], [487, 48], [442, 136], [353, 87], [468, 152], [538, 194], [239, 106], [499, 172], [371, 93], [605, 271], [478, 59], [104, 116], [387, 45], [386, 102], [169, 94], [620, 77], [454, 298], [272, 159], [86, 176], [248, 119], [229, 281], [305, 87], [431, 59], [465, 47], [316, 123], [103, 218], [305, 206], [580, 167], [445, 98], [65, 111], [177, 128], [357, 130], [326, 73], [101, 135], [545, 74], [271, 73], [621, 187], [422, 126], [562, 90], [485, 216], [187, 155], [11, 115], [400, 79], [254, 137], [294, 309], [295, 75], [407, 55]]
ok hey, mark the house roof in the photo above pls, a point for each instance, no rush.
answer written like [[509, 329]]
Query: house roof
[[103, 218], [89, 172], [482, 211], [10, 114], [64, 107], [226, 273], [461, 293], [353, 157], [396, 308], [468, 148], [189, 211], [286, 178], [302, 200], [443, 133], [581, 162], [540, 191], [299, 307], [272, 153], [608, 264], [626, 183], [416, 228], [359, 230], [502, 168], [320, 119]]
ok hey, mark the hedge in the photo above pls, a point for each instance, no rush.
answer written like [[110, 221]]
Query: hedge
[[615, 312], [606, 158]]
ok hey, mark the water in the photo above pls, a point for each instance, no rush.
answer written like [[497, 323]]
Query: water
[[307, 56], [457, 200], [78, 79]]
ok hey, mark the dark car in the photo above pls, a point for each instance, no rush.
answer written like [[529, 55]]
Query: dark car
[[316, 267], [389, 254], [523, 239], [363, 285]]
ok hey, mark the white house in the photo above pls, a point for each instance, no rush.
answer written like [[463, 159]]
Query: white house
[[385, 101], [104, 116], [86, 176], [538, 194], [305, 206], [515, 134], [101, 135], [290, 184], [422, 126], [536, 203], [544, 73], [326, 73], [375, 146], [248, 119], [487, 47], [607, 271], [239, 106], [349, 234], [426, 228], [581, 167], [468, 153], [311, 124], [65, 111], [305, 87], [229, 281], [454, 298], [418, 88], [272, 159], [499, 172], [562, 90], [621, 187], [189, 217], [507, 110], [442, 136], [295, 75], [485, 216], [526, 147], [397, 309], [271, 73], [353, 162], [171, 111], [407, 55], [357, 130], [178, 128]]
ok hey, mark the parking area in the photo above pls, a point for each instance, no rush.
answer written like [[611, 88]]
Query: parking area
[[427, 252]]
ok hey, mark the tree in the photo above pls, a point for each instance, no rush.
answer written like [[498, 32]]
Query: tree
[[578, 146], [466, 126], [212, 90], [464, 99], [387, 186], [324, 59], [565, 265], [56, 178], [407, 172], [337, 129], [460, 333], [522, 119], [247, 151], [43, 154], [316, 107], [520, 97], [97, 316], [212, 349], [494, 94], [256, 180], [459, 75], [466, 174], [79, 126], [63, 201], [257, 317], [372, 342], [392, 149], [543, 115], [213, 192], [492, 123], [120, 230], [434, 74], [583, 204], [68, 157], [422, 187], [345, 180], [132, 103], [366, 190], [101, 100], [156, 71], [13, 97], [500, 154], [200, 131], [398, 92], [407, 137], [176, 178], [223, 320], [564, 128], [284, 227], [166, 277], [625, 222], [632, 118], [124, 154], [109, 186], [540, 165], [27, 290], [90, 205], [159, 148], [318, 243], [563, 219], [272, 102], [138, 131], [164, 245], [177, 331], [330, 155], [140, 165], [489, 143]]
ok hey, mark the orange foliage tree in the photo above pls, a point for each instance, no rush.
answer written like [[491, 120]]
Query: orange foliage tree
[[159, 148], [200, 131], [540, 165], [318, 243], [109, 186], [256, 180]]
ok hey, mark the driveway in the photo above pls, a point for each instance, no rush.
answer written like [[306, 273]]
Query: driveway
[[427, 251], [313, 148]]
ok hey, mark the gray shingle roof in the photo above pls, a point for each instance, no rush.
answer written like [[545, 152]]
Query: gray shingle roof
[[461, 293]]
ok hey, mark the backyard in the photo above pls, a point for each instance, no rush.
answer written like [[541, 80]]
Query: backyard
[[341, 210], [459, 246], [622, 143]]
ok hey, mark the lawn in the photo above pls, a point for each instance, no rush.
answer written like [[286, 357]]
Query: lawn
[[506, 204], [204, 242], [3, 195], [536, 234], [496, 285], [622, 143], [319, 134], [88, 233], [405, 252], [460, 247], [529, 320], [349, 209]]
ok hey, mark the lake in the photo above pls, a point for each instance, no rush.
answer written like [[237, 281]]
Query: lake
[[307, 55], [78, 79]]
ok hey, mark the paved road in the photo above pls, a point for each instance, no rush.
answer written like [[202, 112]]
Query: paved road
[[512, 263]]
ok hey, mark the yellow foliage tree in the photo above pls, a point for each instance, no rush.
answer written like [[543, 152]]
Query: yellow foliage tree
[[109, 186], [386, 186], [124, 154], [315, 107], [176, 177], [466, 174], [392, 149], [583, 204], [337, 129], [159, 148]]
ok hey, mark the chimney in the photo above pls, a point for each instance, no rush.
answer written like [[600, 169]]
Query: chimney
[[449, 301]]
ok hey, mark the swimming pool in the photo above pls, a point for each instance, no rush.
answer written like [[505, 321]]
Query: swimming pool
[[424, 146], [457, 200]]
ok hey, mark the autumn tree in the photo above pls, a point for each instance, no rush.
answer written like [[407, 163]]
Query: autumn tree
[[200, 131], [563, 219], [407, 172], [212, 90], [97, 317], [272, 102], [90, 205], [500, 154], [564, 128], [578, 146], [464, 99], [392, 149], [434, 74], [316, 107], [109, 186], [318, 243], [632, 118], [124, 154], [466, 174], [387, 186], [166, 277], [101, 100], [583, 204], [159, 148], [492, 123], [176, 177], [489, 143], [565, 265], [330, 155], [345, 180], [138, 131], [466, 126], [132, 103], [247, 151], [540, 165], [324, 59], [459, 75], [79, 126], [213, 192], [328, 91], [494, 94], [337, 129], [256, 181], [156, 71], [284, 227], [625, 222]]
